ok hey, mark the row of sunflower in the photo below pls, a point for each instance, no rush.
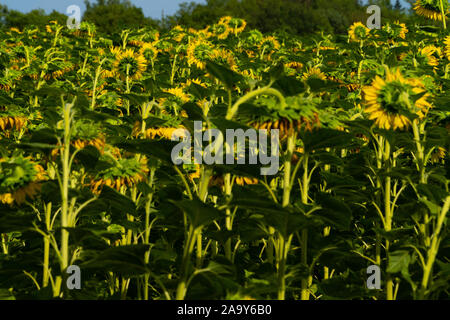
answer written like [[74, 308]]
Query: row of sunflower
[[87, 176]]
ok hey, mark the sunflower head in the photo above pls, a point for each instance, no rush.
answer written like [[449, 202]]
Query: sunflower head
[[431, 9], [447, 47], [224, 57], [237, 25], [314, 73], [426, 56], [221, 30], [437, 155], [148, 51], [395, 30], [269, 43], [131, 64], [179, 93], [198, 52], [19, 179], [394, 101], [121, 173], [358, 32]]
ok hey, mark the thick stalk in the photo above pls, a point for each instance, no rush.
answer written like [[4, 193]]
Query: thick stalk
[[147, 232], [45, 271], [5, 243], [282, 244], [203, 193], [188, 248], [304, 243], [228, 225], [388, 216], [443, 13], [433, 250]]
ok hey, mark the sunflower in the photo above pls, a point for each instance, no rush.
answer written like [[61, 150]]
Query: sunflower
[[241, 181], [431, 9], [437, 155], [196, 173], [314, 73], [237, 25], [152, 133], [205, 33], [428, 52], [5, 87], [402, 29], [225, 57], [447, 47], [425, 56], [12, 122], [286, 126], [148, 51], [19, 178], [129, 63], [178, 92], [269, 43], [395, 30], [358, 31], [293, 66], [198, 52], [295, 156], [14, 29], [390, 101], [178, 33], [123, 173], [221, 30], [56, 72], [98, 143], [196, 81]]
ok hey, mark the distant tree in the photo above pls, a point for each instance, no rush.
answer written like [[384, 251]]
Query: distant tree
[[38, 17], [294, 16], [3, 13], [114, 15]]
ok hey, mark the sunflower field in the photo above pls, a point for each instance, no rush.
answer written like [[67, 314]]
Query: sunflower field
[[87, 179]]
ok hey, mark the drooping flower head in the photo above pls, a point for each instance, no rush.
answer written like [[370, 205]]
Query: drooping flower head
[[358, 32], [198, 52], [431, 9], [394, 100], [122, 173], [148, 51], [19, 178]]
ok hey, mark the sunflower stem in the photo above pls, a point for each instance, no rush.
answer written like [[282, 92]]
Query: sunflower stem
[[443, 13]]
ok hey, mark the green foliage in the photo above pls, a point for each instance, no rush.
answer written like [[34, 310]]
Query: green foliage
[[112, 16]]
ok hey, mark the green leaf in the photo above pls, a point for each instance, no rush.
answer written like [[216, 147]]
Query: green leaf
[[225, 75], [88, 156], [199, 213], [125, 260], [334, 211], [117, 202], [325, 138], [398, 261], [160, 149]]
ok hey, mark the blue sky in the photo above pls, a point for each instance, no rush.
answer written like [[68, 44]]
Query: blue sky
[[152, 8]]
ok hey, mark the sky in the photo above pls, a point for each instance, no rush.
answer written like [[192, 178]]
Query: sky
[[151, 8]]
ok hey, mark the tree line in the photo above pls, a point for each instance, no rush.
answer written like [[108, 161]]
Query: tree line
[[291, 16]]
